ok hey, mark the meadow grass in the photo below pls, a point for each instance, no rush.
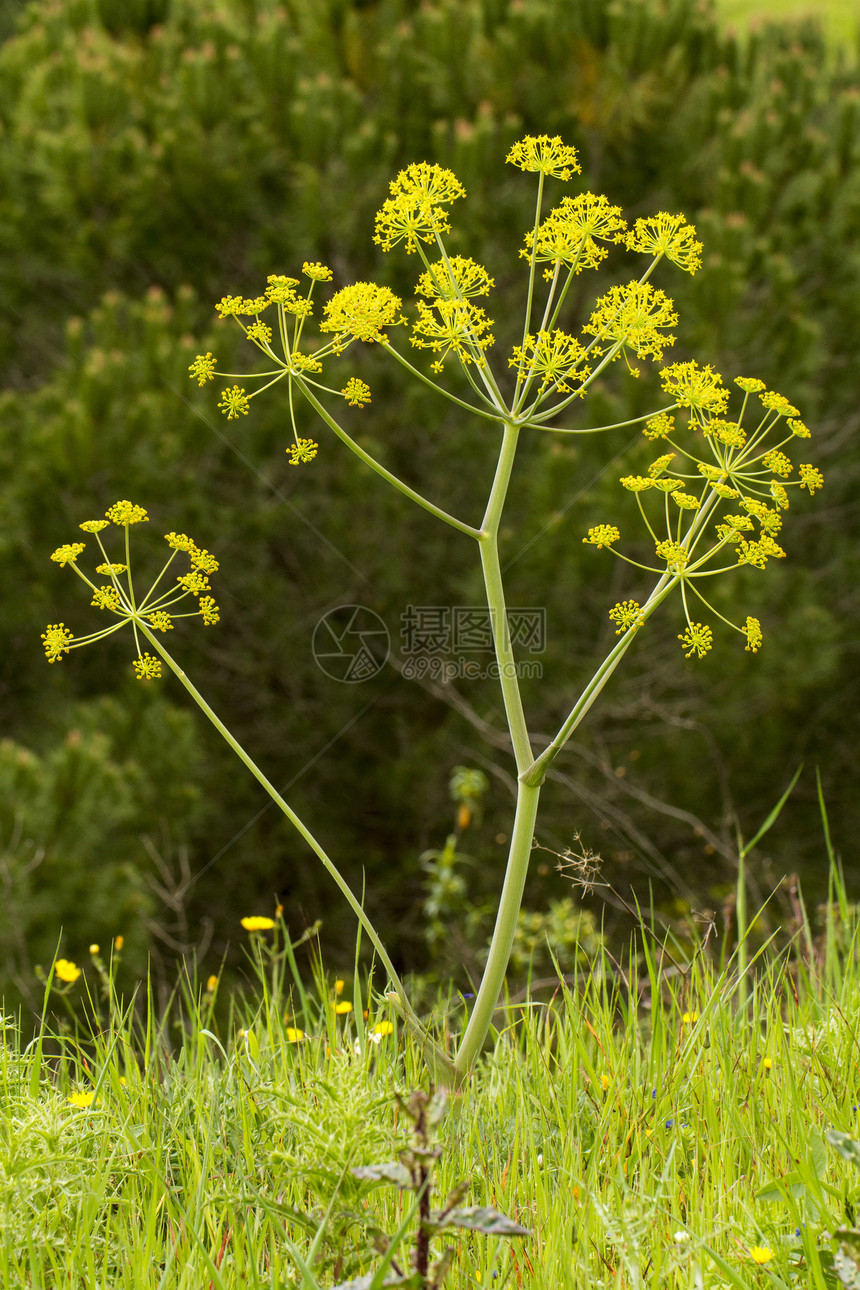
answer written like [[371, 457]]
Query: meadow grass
[[628, 1121]]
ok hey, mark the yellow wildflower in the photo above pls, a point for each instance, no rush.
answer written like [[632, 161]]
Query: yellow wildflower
[[257, 923], [66, 971]]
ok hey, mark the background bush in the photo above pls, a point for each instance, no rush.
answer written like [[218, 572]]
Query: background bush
[[160, 154]]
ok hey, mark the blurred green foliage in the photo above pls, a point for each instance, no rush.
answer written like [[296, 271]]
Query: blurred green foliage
[[158, 154]]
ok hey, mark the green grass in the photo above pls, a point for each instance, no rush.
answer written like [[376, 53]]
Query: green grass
[[629, 1123], [840, 18]]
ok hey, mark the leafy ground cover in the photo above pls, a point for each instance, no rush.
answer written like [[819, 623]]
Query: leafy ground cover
[[665, 1121]]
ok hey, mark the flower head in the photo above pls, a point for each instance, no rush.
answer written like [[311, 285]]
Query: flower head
[[126, 513], [257, 923], [66, 971], [761, 1253], [303, 450], [361, 311], [546, 155], [602, 535], [57, 641], [356, 392], [636, 316], [234, 403], [293, 1035], [411, 215], [203, 368], [458, 326], [574, 232], [697, 639], [628, 615], [81, 1100], [670, 236], [69, 553], [147, 667], [456, 278], [553, 356], [694, 387], [317, 272]]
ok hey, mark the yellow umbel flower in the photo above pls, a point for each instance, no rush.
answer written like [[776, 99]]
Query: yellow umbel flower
[[356, 392], [161, 621], [694, 387], [460, 326], [778, 463], [106, 598], [810, 478], [456, 278], [147, 667], [634, 315], [303, 450], [697, 639], [659, 427], [628, 615], [670, 236], [93, 526], [106, 569], [317, 272], [752, 631], [554, 356], [798, 429], [208, 611], [203, 368], [602, 535], [567, 235], [409, 219], [361, 311], [124, 513], [69, 553], [545, 154], [674, 554], [56, 638], [233, 403], [749, 384], [260, 333], [778, 403], [427, 182]]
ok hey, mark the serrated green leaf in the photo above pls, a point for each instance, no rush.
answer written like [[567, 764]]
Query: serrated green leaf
[[480, 1218], [392, 1172], [848, 1147]]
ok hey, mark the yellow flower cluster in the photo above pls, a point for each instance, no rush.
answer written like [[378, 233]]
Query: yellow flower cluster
[[455, 278], [553, 356], [460, 327], [634, 316], [572, 234], [147, 612], [546, 155], [412, 214]]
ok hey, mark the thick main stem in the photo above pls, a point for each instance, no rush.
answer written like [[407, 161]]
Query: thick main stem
[[510, 903]]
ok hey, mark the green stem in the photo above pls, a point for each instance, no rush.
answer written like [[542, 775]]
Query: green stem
[[510, 903], [312, 842], [492, 569]]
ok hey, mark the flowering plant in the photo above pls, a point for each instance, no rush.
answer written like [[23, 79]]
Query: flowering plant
[[712, 499]]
